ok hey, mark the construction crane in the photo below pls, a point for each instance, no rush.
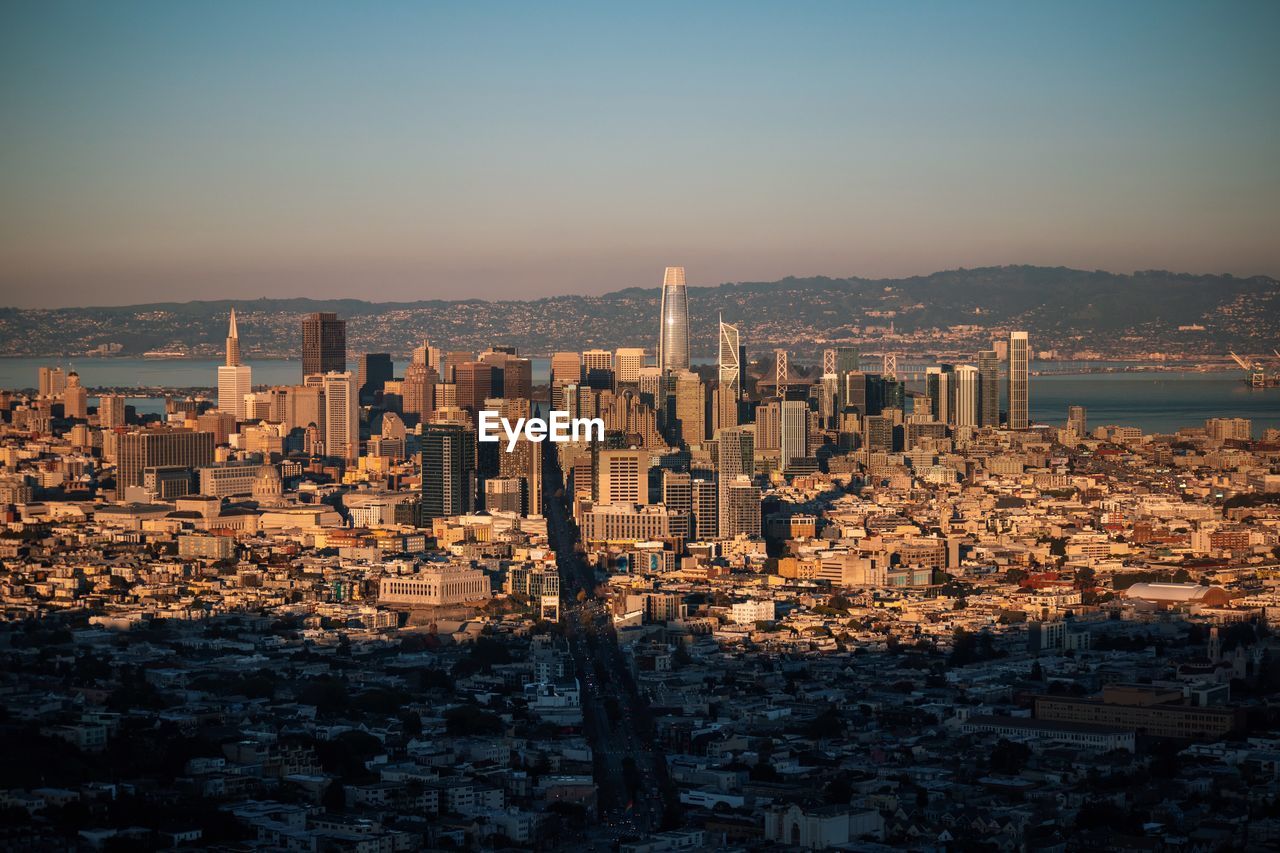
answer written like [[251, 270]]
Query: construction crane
[[1254, 373]]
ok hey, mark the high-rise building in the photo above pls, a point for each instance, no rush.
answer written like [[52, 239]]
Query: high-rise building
[[375, 370], [794, 436], [729, 398], [341, 416], [964, 401], [1019, 363], [597, 368], [75, 398], [566, 369], [937, 385], [448, 470], [673, 330], [111, 411], [623, 476], [324, 344], [691, 408], [517, 379], [476, 381], [735, 457], [1077, 420], [627, 362], [150, 448], [235, 379], [739, 508], [52, 381], [989, 388], [704, 505], [769, 425], [418, 390]]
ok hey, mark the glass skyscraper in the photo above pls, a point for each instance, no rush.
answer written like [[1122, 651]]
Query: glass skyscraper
[[673, 332]]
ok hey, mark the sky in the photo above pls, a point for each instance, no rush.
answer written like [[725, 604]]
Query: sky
[[413, 150]]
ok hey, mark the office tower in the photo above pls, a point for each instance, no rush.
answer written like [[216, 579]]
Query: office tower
[[623, 476], [988, 388], [375, 370], [739, 508], [627, 362], [324, 344], [517, 379], [152, 448], [111, 411], [703, 504], [75, 398], [1077, 420], [341, 416], [691, 406], [937, 385], [476, 382], [302, 406], [1019, 417], [769, 425], [448, 470], [847, 360], [566, 369], [449, 364], [597, 368], [418, 390], [730, 376], [794, 435], [965, 391], [677, 491], [673, 330], [52, 381], [524, 463], [735, 457], [853, 388], [504, 494], [235, 379], [877, 432]]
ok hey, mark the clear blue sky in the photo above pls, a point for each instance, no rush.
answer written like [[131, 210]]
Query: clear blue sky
[[413, 150]]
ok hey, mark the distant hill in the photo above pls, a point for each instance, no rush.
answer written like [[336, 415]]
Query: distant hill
[[1066, 309]]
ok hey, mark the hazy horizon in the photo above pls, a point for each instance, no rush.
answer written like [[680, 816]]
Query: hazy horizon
[[174, 152]]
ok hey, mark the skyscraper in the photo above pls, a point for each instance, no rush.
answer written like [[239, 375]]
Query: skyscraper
[[691, 408], [673, 331], [988, 388], [623, 476], [1077, 420], [964, 409], [1019, 417], [448, 470], [937, 384], [375, 370], [341, 416], [75, 398], [730, 388], [627, 363], [235, 379], [735, 457], [795, 430], [324, 344], [111, 411], [566, 369]]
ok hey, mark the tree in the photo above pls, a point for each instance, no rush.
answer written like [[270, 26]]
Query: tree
[[1009, 757]]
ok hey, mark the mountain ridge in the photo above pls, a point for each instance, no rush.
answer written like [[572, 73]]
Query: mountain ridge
[[1063, 307]]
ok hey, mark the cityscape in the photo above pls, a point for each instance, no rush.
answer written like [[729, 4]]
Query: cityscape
[[639, 428], [778, 605]]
